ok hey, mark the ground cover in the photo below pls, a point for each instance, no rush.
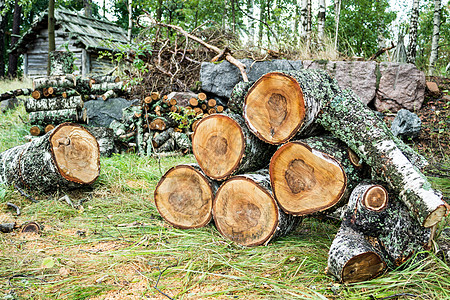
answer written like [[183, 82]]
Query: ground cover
[[109, 242]]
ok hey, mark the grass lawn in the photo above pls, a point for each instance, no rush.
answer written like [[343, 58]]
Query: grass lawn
[[111, 243]]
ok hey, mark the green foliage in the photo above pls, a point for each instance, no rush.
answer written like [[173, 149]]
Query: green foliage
[[185, 118], [361, 23]]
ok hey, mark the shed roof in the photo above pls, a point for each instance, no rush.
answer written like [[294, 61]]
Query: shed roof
[[90, 32]]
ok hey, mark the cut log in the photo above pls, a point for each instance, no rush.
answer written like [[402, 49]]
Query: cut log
[[148, 100], [355, 124], [223, 146], [173, 101], [193, 102], [54, 116], [36, 94], [219, 108], [108, 94], [49, 127], [100, 88], [352, 258], [211, 103], [237, 97], [162, 137], [45, 92], [366, 209], [202, 97], [65, 81], [245, 211], [36, 130], [66, 157], [7, 227], [168, 146], [100, 79], [105, 139], [184, 197], [280, 105], [15, 93], [155, 96], [57, 103], [159, 124], [312, 175]]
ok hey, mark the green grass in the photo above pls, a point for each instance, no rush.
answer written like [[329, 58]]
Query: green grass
[[94, 258]]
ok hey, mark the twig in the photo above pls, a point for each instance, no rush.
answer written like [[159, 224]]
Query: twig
[[15, 207], [228, 56], [159, 277], [393, 296], [381, 51], [23, 276], [22, 192]]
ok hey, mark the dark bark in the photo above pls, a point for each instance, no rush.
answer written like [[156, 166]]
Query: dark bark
[[3, 22], [13, 57], [51, 32], [52, 161]]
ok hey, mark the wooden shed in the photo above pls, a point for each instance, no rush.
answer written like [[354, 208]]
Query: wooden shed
[[86, 37]]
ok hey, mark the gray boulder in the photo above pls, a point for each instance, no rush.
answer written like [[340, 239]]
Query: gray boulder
[[8, 104], [220, 78], [101, 113], [406, 124], [400, 86]]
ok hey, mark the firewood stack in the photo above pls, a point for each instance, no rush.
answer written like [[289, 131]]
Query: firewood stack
[[262, 167], [59, 99]]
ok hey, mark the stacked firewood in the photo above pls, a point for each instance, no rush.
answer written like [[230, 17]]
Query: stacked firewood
[[58, 99], [264, 165], [158, 124], [14, 93]]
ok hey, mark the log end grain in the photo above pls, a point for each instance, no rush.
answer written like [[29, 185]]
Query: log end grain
[[76, 153], [244, 212], [218, 145], [184, 197], [375, 198], [35, 131], [362, 267], [274, 108], [305, 180]]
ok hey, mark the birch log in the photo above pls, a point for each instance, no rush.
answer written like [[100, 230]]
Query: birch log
[[65, 81], [352, 258], [66, 157], [56, 103], [184, 196], [245, 211], [355, 124], [223, 146], [54, 116]]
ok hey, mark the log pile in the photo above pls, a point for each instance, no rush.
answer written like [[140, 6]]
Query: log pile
[[262, 167], [58, 99], [162, 124]]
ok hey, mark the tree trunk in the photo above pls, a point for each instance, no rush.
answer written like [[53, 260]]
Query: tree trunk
[[308, 24], [411, 56], [87, 5], [130, 18], [184, 197], [355, 124], [13, 57], [56, 103], [321, 23], [3, 23], [224, 146], [44, 118], [352, 258], [275, 114], [435, 37], [337, 15], [245, 211], [312, 175], [66, 157], [303, 18], [51, 32]]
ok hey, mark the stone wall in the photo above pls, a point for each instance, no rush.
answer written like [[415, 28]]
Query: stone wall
[[387, 86]]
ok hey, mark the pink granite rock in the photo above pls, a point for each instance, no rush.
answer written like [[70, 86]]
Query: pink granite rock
[[400, 86]]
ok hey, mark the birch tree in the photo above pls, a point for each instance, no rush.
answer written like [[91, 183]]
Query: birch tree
[[337, 14], [321, 22], [435, 38], [411, 55]]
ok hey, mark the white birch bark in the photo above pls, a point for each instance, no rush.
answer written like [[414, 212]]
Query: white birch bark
[[57, 103], [303, 17], [411, 56], [435, 37], [321, 23], [337, 15]]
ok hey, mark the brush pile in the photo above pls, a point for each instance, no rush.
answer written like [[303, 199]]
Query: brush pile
[[294, 144]]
